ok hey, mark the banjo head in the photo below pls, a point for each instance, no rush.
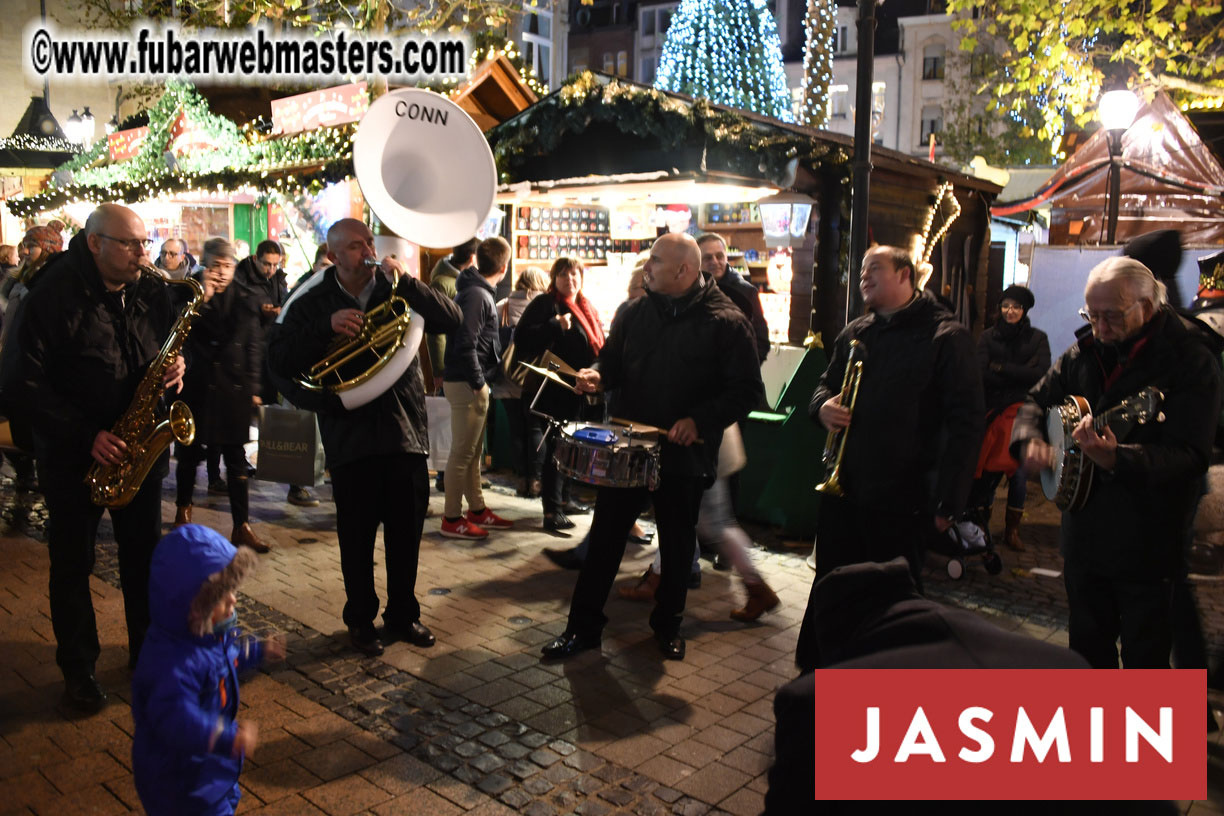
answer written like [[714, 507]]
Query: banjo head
[[1059, 483]]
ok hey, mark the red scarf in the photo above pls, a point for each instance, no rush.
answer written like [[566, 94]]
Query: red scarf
[[584, 313]]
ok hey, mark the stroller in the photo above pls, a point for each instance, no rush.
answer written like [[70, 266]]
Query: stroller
[[968, 536]]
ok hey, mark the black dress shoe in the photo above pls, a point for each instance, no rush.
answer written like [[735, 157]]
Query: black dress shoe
[[83, 695], [365, 640], [569, 644], [576, 508], [672, 648], [640, 539], [721, 563], [557, 522], [416, 633], [565, 559]]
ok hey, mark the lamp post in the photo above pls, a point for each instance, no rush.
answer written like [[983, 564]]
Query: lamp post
[[863, 116], [1117, 110]]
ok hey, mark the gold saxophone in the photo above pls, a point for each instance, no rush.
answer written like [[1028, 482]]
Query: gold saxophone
[[142, 429]]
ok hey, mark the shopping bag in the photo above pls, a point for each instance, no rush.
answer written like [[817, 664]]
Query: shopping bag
[[290, 448], [439, 414]]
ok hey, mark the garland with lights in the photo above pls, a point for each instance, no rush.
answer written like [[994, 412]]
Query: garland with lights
[[819, 24], [727, 52], [47, 144], [242, 161], [733, 142]]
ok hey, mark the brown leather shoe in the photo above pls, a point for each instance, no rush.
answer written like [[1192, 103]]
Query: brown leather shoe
[[643, 590], [182, 515], [761, 599], [244, 536]]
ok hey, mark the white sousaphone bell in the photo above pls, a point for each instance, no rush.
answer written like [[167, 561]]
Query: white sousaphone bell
[[427, 173]]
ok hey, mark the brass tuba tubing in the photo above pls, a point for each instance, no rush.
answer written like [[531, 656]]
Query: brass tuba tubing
[[382, 333], [835, 442]]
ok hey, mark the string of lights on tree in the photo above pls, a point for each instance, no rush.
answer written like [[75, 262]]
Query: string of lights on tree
[[819, 25], [727, 52], [48, 144]]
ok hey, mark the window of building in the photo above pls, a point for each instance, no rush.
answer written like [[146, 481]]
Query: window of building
[[647, 74], [932, 122], [839, 101], [840, 44], [622, 63], [648, 22], [536, 38], [609, 62], [580, 58], [933, 61]]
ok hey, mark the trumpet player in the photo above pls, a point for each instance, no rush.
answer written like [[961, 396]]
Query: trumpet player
[[376, 452], [913, 436], [90, 327]]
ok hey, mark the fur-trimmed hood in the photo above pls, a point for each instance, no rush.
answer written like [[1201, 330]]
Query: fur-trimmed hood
[[193, 567]]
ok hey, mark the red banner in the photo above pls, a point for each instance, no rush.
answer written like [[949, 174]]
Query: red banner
[[325, 108], [126, 143], [1010, 734]]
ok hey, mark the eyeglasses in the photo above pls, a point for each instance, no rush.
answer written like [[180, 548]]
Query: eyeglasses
[[1011, 307], [1113, 318], [134, 244]]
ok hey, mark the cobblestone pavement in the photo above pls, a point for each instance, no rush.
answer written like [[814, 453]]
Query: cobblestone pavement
[[477, 724]]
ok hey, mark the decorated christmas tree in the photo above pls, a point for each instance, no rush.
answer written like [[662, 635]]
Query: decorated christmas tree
[[727, 52], [818, 27]]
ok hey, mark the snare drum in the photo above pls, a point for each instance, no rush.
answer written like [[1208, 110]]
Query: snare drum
[[607, 455]]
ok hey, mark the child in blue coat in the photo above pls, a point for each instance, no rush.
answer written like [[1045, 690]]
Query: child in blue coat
[[188, 746]]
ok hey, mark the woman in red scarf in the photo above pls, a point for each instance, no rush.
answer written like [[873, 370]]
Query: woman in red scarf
[[564, 322]]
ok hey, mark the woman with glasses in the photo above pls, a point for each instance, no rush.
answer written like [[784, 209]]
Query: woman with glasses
[[1013, 356]]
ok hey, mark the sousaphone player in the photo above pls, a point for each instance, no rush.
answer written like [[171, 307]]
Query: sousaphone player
[[376, 451], [1121, 549]]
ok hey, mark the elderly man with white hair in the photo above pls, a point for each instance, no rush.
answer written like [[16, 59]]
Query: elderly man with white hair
[[1122, 548]]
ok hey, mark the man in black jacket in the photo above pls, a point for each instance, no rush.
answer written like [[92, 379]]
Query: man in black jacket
[[913, 443], [376, 452], [88, 332], [1121, 551], [741, 292], [681, 359]]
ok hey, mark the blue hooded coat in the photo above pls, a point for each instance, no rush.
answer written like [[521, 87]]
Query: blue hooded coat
[[185, 689]]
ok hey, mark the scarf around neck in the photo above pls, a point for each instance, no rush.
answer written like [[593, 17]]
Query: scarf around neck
[[584, 313]]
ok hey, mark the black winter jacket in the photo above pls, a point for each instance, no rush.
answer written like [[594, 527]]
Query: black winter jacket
[[473, 349], [1133, 524], [394, 421], [226, 351], [262, 289], [1012, 358], [81, 353], [918, 422], [539, 330], [748, 299], [691, 356]]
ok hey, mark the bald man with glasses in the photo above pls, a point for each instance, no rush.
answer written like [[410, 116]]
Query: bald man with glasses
[[88, 332], [1123, 548]]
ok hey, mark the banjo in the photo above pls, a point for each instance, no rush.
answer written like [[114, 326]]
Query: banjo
[[1069, 482]]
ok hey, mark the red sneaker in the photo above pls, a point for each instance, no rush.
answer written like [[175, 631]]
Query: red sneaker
[[463, 529], [487, 518]]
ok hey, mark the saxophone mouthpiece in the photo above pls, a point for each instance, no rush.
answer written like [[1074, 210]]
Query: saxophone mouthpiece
[[371, 263]]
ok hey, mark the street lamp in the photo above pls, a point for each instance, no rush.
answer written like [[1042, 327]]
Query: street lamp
[[72, 128], [87, 127], [1117, 110], [784, 218]]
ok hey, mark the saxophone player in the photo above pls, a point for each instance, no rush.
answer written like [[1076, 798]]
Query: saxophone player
[[90, 328], [912, 444]]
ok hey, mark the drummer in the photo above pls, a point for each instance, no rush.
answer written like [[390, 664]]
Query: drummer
[[564, 322], [684, 361]]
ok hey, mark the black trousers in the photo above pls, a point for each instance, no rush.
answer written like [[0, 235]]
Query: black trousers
[[848, 534], [189, 458], [616, 509], [72, 530], [392, 490], [1104, 609]]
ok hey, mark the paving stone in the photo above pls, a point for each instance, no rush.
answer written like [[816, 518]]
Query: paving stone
[[493, 719], [494, 739], [537, 785], [487, 763], [539, 808], [494, 784], [521, 769], [562, 747], [469, 729], [544, 757], [534, 739], [617, 796], [592, 807], [516, 798], [668, 795], [512, 750]]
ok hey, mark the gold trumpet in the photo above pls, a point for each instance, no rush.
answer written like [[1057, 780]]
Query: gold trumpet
[[835, 442]]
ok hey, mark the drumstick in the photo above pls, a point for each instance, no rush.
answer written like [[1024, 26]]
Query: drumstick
[[642, 428]]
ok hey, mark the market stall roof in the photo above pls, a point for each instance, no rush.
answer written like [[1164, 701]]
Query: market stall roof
[[37, 142], [1169, 180], [494, 93], [598, 125]]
